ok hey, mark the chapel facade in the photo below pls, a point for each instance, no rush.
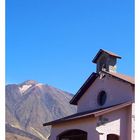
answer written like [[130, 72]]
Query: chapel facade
[[105, 105]]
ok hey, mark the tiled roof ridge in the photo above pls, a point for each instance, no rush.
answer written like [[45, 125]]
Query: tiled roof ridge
[[121, 76]]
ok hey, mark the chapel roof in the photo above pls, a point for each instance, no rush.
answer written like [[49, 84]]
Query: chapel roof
[[90, 113]]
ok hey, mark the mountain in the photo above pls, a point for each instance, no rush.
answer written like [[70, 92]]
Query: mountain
[[30, 104], [18, 134]]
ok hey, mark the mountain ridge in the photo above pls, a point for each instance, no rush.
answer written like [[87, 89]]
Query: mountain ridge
[[30, 104]]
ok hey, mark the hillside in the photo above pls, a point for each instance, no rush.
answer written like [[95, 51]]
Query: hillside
[[30, 104]]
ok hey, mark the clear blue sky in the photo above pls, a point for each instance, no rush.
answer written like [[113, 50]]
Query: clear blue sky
[[54, 41]]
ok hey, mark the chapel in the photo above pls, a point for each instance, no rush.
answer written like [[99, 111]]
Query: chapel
[[105, 105]]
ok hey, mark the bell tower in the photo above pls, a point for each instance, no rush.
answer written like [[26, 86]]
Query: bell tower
[[105, 61]]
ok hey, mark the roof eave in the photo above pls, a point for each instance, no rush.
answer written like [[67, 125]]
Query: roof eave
[[90, 114], [84, 87]]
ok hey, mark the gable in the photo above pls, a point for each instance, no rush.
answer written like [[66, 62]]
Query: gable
[[91, 80], [117, 91]]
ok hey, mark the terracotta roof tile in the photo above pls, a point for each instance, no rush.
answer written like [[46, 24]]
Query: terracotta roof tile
[[122, 77]]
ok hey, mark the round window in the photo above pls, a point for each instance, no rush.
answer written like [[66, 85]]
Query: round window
[[102, 98]]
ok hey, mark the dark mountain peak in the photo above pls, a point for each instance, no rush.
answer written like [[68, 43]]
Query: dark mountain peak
[[12, 85]]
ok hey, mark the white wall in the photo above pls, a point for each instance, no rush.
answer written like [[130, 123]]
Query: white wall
[[117, 124]]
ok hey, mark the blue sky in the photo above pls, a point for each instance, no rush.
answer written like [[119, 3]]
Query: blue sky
[[54, 42]]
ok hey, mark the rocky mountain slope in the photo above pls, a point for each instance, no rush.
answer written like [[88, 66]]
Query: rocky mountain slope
[[30, 104]]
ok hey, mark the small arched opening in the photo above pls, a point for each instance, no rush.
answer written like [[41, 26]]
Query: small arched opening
[[74, 134], [102, 65], [112, 137]]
